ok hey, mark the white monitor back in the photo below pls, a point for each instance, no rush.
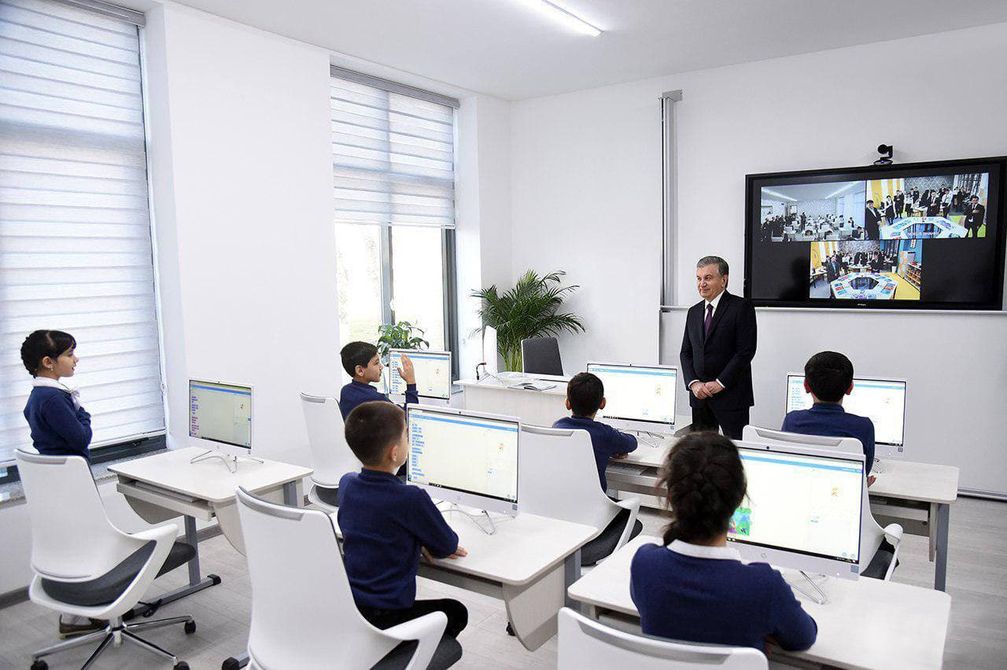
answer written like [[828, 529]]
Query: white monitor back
[[490, 350], [804, 509], [220, 416], [464, 457], [433, 373], [638, 397]]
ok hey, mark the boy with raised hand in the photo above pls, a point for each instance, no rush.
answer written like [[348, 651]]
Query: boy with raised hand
[[362, 363], [387, 524], [828, 376]]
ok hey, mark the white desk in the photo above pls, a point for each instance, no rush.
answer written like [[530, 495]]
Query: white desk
[[166, 485], [528, 563], [540, 408], [867, 623], [915, 495]]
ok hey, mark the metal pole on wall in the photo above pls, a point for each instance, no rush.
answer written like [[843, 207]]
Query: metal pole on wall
[[669, 201]]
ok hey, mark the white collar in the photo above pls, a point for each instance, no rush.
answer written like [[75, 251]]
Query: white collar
[[50, 383], [701, 551], [716, 301]]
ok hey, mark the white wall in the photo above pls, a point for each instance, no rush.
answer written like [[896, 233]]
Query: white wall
[[586, 175]]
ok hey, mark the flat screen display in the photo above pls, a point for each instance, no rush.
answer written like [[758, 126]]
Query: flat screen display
[[637, 392], [883, 401], [922, 235], [220, 412], [433, 373]]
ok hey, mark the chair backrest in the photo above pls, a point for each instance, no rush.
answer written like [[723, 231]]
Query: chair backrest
[[540, 356], [303, 614], [585, 644], [558, 477], [847, 445], [72, 537], [331, 457]]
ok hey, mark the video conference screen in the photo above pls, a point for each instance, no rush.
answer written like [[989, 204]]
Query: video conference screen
[[925, 235]]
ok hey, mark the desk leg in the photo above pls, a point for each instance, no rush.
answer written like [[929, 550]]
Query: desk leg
[[191, 539], [571, 573], [943, 519], [290, 494]]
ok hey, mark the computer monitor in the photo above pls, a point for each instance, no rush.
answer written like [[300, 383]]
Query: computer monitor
[[464, 457], [883, 401], [220, 413], [803, 509], [433, 373], [638, 397]]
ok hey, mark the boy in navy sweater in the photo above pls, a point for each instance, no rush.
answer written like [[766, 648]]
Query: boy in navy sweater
[[828, 376], [387, 525], [585, 395], [695, 587], [59, 425], [361, 361]]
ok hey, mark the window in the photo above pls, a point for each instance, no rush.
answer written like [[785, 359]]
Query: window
[[393, 175], [75, 248]]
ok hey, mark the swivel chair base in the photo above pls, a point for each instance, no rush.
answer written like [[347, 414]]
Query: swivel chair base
[[115, 633]]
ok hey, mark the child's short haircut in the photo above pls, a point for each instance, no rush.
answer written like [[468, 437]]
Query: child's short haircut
[[357, 353], [372, 427], [44, 343], [585, 393], [829, 375]]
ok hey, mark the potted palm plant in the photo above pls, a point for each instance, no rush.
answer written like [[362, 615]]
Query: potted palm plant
[[529, 309], [401, 335]]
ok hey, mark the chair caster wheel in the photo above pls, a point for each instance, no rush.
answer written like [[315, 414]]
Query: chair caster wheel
[[190, 627], [181, 665], [230, 664], [510, 630], [39, 665]]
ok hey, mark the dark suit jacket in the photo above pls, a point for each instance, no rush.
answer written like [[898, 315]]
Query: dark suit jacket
[[726, 354], [974, 217], [871, 219]]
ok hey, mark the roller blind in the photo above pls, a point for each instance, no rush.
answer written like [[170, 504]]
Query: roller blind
[[75, 248], [393, 154]]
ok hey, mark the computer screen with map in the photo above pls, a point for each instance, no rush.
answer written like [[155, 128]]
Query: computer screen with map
[[638, 394], [801, 507], [463, 457], [220, 413], [883, 401], [433, 372]]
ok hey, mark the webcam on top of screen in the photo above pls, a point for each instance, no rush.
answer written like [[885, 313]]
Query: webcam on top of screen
[[886, 151]]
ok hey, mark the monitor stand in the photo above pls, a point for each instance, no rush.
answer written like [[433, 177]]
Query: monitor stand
[[230, 462], [455, 507], [819, 596]]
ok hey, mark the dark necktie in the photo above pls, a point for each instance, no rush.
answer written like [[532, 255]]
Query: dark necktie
[[708, 320]]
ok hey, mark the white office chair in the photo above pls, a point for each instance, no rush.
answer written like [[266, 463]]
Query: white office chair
[[293, 557], [85, 566], [879, 547], [588, 645], [331, 457], [558, 478]]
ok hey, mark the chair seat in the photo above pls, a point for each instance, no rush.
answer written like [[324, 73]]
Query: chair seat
[[603, 545], [878, 567], [448, 653], [329, 496], [109, 586]]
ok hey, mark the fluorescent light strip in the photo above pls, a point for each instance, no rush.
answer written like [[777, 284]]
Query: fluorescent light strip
[[563, 16], [845, 188], [779, 195]]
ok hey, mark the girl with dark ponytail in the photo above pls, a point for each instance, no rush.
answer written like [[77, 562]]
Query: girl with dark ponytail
[[695, 587]]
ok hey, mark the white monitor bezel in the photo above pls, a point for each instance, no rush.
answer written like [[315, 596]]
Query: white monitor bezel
[[887, 447], [458, 496], [410, 352], [217, 444], [797, 559], [642, 425]]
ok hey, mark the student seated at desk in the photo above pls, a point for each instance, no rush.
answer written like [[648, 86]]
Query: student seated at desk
[[585, 395], [828, 376], [361, 361], [387, 524], [695, 588]]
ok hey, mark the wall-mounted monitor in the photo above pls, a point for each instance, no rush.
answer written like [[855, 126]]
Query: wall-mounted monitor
[[914, 236]]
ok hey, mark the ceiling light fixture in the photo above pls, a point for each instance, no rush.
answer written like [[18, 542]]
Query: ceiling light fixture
[[566, 17], [845, 188], [779, 195]]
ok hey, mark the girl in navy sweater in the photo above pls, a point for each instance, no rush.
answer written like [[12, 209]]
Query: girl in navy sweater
[[695, 588], [59, 425]]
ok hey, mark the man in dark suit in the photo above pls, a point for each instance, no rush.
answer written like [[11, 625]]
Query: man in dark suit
[[717, 351], [975, 214], [872, 218]]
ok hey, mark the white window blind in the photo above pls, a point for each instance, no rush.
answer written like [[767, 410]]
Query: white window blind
[[75, 248], [393, 154]]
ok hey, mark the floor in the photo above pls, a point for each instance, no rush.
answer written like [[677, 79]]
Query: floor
[[977, 579], [905, 290]]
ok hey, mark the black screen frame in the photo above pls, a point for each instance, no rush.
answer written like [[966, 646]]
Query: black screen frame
[[995, 165]]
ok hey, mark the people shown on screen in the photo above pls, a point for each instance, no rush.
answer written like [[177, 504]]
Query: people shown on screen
[[889, 210], [828, 377], [975, 215], [872, 219], [900, 203]]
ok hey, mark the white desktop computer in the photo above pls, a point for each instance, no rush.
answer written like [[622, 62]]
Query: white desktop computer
[[433, 373], [803, 509], [638, 397], [220, 414], [465, 458], [883, 401]]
